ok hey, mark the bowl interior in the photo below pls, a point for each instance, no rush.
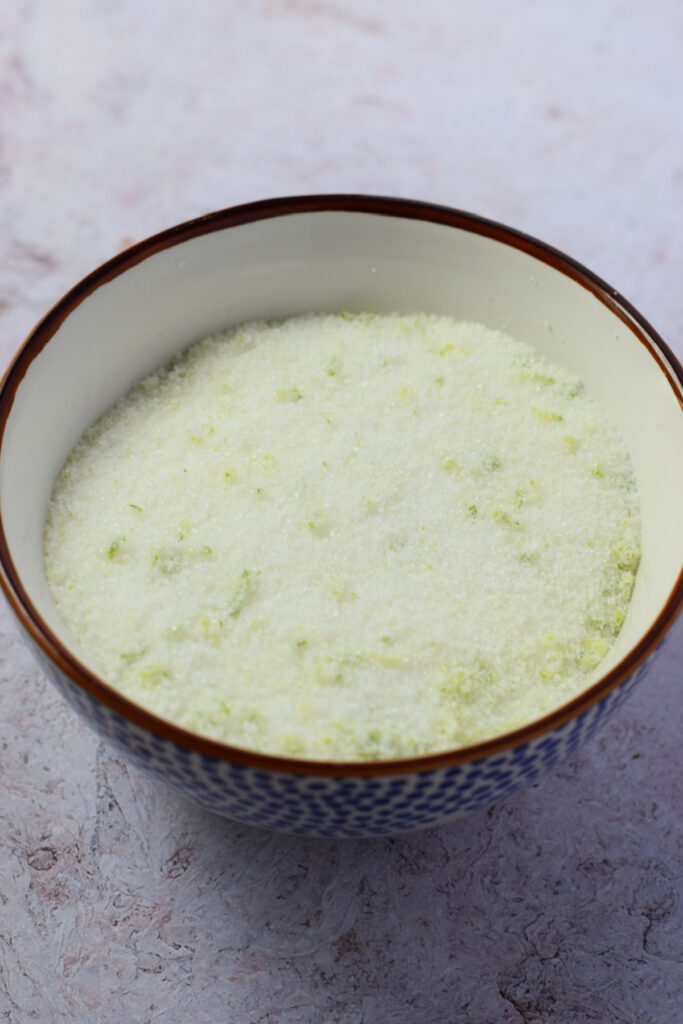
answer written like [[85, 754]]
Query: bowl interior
[[153, 302]]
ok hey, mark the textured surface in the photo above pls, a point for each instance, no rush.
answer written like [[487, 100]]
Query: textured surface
[[119, 901], [258, 507]]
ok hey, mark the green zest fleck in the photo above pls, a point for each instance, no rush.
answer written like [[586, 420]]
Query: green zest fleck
[[289, 394], [364, 318], [543, 378], [626, 554], [501, 516], [242, 592], [334, 366], [318, 522], [369, 504], [130, 657], [551, 417], [370, 744], [151, 677], [114, 547], [343, 591], [167, 560], [136, 507]]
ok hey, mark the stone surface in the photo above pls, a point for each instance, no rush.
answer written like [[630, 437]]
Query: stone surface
[[121, 902]]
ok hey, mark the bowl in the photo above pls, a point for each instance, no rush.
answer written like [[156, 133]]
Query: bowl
[[275, 259]]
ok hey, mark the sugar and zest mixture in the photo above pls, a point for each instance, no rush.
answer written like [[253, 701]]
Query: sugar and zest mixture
[[348, 537]]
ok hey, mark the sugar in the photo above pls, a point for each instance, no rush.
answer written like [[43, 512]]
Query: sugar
[[348, 537]]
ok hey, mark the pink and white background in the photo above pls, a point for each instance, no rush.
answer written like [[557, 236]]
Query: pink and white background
[[118, 900]]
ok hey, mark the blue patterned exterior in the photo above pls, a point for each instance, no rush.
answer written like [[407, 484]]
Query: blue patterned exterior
[[322, 805]]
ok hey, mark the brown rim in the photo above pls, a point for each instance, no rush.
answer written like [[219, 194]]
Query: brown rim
[[233, 217]]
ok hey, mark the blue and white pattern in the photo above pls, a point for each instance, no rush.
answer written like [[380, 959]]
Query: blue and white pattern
[[369, 805]]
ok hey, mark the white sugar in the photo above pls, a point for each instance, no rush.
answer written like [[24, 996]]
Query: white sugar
[[347, 537]]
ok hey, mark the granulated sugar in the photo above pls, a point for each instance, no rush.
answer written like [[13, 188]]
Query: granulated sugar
[[348, 537]]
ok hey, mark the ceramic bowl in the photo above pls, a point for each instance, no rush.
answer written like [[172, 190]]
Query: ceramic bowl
[[326, 253]]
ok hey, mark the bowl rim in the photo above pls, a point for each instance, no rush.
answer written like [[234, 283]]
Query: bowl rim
[[51, 645]]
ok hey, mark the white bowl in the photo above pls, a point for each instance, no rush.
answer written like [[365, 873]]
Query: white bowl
[[325, 253]]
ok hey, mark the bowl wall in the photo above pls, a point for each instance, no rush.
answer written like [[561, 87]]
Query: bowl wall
[[350, 805]]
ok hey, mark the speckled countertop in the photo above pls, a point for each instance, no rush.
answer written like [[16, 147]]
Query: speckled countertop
[[118, 900]]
